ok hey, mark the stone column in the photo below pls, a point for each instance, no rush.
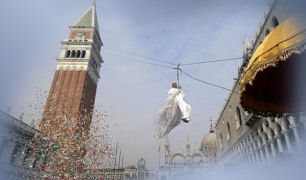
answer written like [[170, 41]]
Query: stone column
[[271, 140], [249, 153], [285, 131], [262, 157], [277, 132], [252, 151], [272, 147], [260, 147], [235, 156], [286, 134], [279, 143], [271, 127], [265, 145], [245, 152], [292, 121], [255, 152], [267, 152], [302, 118], [266, 130], [241, 153], [238, 155]]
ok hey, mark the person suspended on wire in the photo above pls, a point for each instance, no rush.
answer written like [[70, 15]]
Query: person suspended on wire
[[173, 112]]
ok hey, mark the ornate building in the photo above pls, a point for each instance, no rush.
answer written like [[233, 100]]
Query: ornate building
[[139, 172], [209, 147], [131, 172], [244, 138], [179, 162]]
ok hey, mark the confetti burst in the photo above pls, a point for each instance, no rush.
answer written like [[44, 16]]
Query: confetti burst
[[71, 150]]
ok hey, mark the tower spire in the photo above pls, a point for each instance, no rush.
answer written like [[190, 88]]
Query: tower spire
[[211, 126], [89, 19]]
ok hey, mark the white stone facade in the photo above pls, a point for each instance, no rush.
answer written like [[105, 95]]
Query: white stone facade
[[244, 139]]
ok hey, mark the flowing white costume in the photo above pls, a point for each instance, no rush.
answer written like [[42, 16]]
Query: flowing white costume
[[173, 111]]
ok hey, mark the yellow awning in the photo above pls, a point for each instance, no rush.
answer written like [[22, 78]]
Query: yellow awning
[[284, 40], [287, 39]]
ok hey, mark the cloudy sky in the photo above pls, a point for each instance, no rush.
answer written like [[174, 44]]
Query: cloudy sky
[[130, 92]]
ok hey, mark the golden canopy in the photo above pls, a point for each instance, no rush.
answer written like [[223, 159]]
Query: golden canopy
[[274, 80]]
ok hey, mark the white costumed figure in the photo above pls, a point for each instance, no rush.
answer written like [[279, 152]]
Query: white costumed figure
[[174, 110]]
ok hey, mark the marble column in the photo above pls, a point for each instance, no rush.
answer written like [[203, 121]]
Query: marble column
[[292, 121], [267, 152], [265, 133], [271, 141], [265, 146], [238, 154], [277, 132], [302, 118], [262, 157], [235, 156], [251, 150], [255, 152], [285, 131], [241, 152], [272, 127], [279, 143], [245, 152]]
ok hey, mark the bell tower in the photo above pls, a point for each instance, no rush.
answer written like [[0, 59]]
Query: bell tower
[[68, 111], [73, 90]]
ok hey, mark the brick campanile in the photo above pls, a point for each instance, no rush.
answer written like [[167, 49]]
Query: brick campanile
[[68, 111]]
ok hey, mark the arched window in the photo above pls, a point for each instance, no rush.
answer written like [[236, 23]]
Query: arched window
[[78, 55], [221, 140], [83, 54], [275, 22], [68, 53], [73, 54], [239, 115], [267, 32], [228, 131]]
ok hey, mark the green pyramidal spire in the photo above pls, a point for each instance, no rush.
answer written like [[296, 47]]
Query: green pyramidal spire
[[89, 19]]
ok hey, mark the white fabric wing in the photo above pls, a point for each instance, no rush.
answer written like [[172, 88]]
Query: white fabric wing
[[171, 113]]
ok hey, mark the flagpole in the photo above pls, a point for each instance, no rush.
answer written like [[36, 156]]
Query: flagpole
[[115, 159], [122, 161], [119, 159], [115, 156], [159, 157]]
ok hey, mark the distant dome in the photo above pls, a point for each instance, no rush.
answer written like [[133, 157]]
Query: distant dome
[[209, 140]]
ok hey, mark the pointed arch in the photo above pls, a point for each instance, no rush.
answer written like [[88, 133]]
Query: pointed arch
[[78, 54], [73, 54], [275, 22], [267, 32], [68, 53], [83, 54]]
